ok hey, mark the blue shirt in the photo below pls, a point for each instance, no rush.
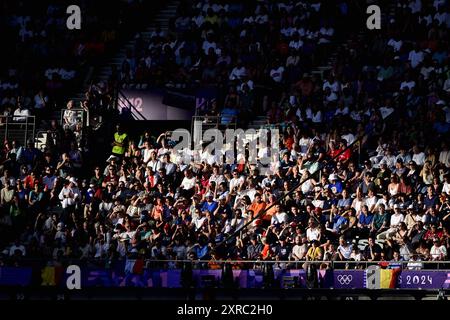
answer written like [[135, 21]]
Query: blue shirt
[[201, 251], [211, 207], [338, 222], [365, 220], [337, 185], [228, 114], [344, 202]]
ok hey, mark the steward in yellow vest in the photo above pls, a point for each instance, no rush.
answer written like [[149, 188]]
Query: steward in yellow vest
[[120, 142]]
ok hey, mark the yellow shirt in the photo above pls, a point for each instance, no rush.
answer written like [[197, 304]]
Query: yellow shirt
[[314, 253]]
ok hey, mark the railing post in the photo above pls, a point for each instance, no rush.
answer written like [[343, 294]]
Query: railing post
[[6, 129], [26, 130]]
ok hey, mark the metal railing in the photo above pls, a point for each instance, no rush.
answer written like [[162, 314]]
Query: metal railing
[[125, 106], [40, 140], [200, 124], [300, 264], [257, 264], [18, 128], [80, 116]]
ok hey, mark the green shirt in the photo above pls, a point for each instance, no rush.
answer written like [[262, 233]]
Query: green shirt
[[379, 219]]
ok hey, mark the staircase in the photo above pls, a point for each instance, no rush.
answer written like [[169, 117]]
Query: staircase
[[161, 20]]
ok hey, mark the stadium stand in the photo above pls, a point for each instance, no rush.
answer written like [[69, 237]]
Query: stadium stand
[[370, 109]]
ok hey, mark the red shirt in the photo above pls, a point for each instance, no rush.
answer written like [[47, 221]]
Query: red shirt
[[345, 155]]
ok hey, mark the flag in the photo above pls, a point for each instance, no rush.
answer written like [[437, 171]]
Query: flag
[[48, 276], [135, 266], [388, 278], [447, 282]]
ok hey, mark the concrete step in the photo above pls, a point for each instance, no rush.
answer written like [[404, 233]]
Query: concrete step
[[161, 20]]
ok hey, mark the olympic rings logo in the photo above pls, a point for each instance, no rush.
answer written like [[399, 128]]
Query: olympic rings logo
[[345, 279]]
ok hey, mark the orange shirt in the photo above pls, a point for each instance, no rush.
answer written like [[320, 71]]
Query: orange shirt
[[266, 252], [288, 142], [257, 207], [269, 214]]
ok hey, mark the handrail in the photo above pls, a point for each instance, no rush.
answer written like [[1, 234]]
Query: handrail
[[10, 123], [408, 265], [121, 95], [43, 144], [83, 111], [298, 261]]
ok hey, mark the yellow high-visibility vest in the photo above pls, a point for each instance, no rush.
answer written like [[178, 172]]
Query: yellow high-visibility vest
[[119, 138]]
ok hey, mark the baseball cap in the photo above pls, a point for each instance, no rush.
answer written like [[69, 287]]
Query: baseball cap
[[332, 177]]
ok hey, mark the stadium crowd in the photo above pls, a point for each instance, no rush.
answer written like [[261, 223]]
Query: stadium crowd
[[376, 126], [46, 62]]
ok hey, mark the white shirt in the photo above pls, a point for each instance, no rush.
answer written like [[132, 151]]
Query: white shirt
[[396, 45], [441, 18], [346, 251], [437, 252], [358, 204], [407, 84], [21, 114], [446, 188], [13, 248], [70, 117], [300, 251], [385, 111], [154, 164], [199, 20], [198, 222], [444, 157], [187, 183], [419, 158], [317, 117], [206, 45], [396, 219], [415, 57], [277, 74], [280, 217], [235, 182], [312, 234], [350, 138], [237, 73], [296, 44], [68, 196], [335, 86], [146, 153], [415, 6], [371, 201]]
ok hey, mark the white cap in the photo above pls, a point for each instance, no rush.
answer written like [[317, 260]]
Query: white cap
[[111, 157], [332, 177], [72, 180]]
